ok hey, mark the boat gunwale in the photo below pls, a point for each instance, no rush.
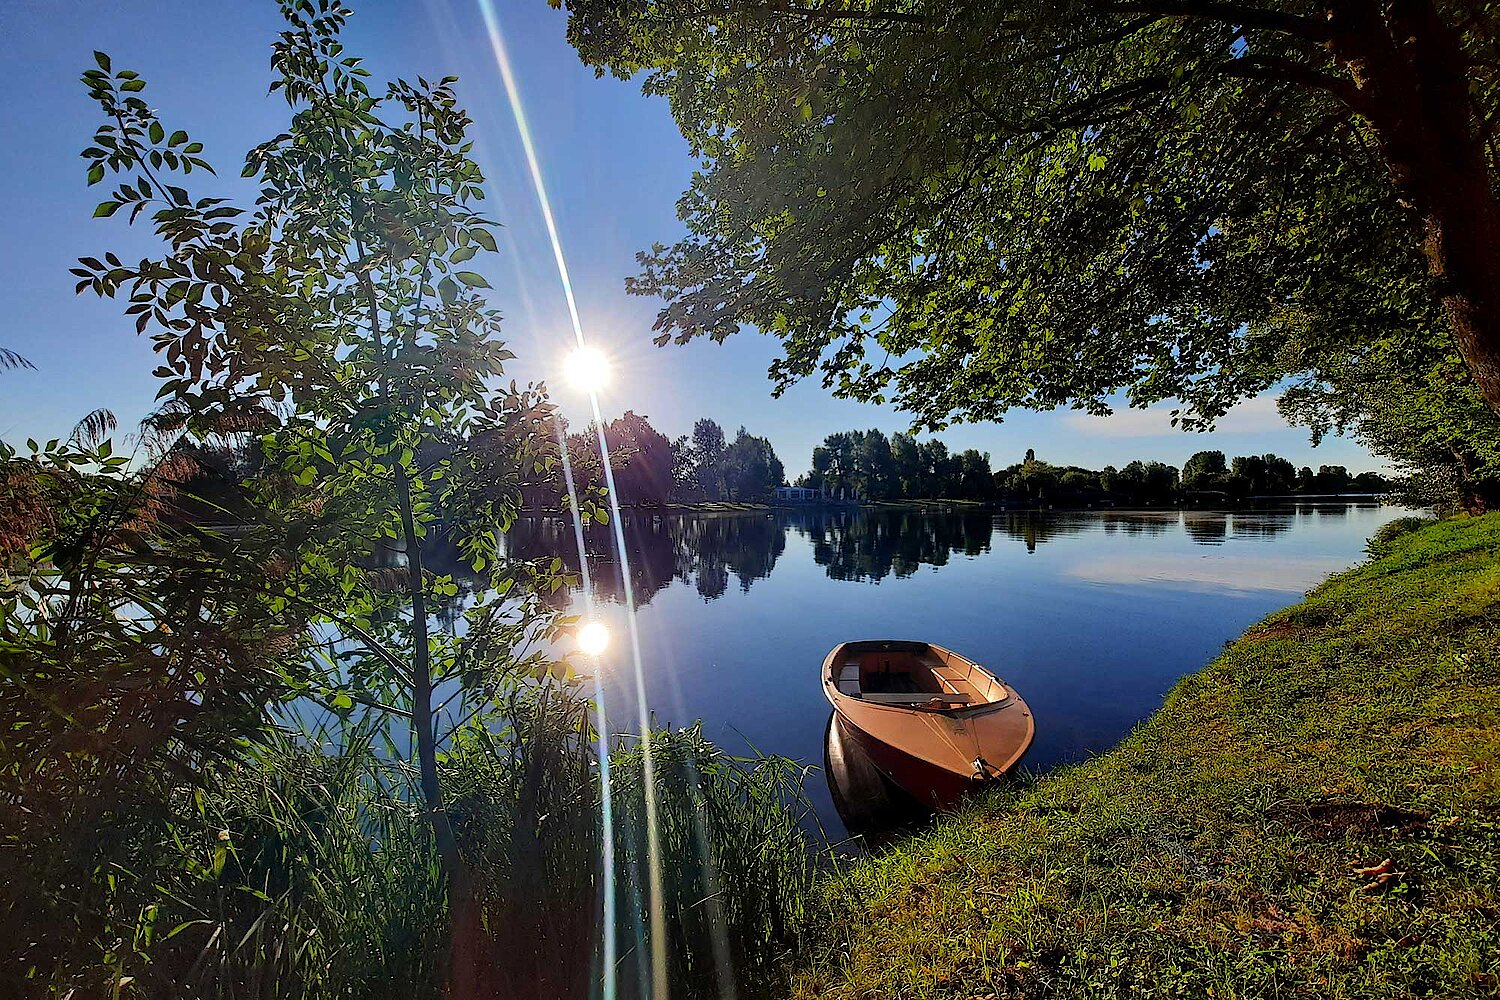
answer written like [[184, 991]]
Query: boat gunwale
[[963, 711]]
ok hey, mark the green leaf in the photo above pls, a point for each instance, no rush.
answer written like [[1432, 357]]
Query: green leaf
[[105, 209], [178, 138], [96, 173], [484, 238], [342, 701], [133, 85], [102, 60], [471, 279], [156, 132]]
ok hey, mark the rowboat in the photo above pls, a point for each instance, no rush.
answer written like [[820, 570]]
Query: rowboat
[[936, 723]]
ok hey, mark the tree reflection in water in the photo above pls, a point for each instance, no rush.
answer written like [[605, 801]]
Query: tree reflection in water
[[872, 545], [703, 551], [709, 551]]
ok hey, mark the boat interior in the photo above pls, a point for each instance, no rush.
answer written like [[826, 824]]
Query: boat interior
[[914, 674]]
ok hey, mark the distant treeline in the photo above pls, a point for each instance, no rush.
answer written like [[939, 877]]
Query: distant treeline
[[649, 468], [706, 466], [869, 465]]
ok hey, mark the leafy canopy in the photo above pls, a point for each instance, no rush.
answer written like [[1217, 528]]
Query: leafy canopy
[[968, 207]]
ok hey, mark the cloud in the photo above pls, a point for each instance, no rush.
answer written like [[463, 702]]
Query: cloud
[[1254, 416], [1237, 574]]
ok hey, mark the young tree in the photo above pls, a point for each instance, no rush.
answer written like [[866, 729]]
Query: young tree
[[336, 323]]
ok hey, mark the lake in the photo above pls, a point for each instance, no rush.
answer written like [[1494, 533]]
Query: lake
[[1092, 616]]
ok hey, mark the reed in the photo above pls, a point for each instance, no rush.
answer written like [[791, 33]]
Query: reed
[[737, 865], [305, 872], [524, 806], [304, 867]]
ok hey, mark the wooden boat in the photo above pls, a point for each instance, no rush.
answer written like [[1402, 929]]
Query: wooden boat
[[934, 722]]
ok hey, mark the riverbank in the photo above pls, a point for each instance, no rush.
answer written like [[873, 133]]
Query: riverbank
[[1316, 813]]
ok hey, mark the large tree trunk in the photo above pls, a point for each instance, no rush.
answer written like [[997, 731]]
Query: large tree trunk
[[1413, 82]]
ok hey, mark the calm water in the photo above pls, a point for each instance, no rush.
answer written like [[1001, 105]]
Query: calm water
[[1092, 616]]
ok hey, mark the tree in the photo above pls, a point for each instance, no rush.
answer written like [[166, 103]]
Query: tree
[[1148, 482], [1262, 474], [835, 463], [1203, 471], [975, 481], [135, 654], [906, 462], [1117, 196], [876, 467], [1407, 398], [642, 458], [684, 469], [751, 469], [708, 452], [1333, 479], [336, 324]]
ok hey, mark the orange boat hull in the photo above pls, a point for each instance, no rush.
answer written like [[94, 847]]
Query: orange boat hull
[[935, 723]]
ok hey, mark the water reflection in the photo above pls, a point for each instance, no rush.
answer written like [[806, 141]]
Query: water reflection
[[711, 552], [870, 546], [869, 804], [704, 552]]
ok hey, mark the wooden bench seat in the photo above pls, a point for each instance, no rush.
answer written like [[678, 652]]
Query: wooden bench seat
[[914, 698]]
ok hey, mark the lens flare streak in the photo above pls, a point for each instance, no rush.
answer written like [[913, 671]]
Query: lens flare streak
[[654, 873]]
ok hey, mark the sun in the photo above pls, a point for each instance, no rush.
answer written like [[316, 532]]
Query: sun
[[593, 638], [587, 369]]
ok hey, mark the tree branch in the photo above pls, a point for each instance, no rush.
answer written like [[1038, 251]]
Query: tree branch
[[1279, 68], [1239, 15]]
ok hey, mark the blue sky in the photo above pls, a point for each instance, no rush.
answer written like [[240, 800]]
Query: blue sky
[[614, 163]]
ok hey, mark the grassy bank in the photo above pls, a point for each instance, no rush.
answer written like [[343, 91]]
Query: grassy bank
[[1217, 851]]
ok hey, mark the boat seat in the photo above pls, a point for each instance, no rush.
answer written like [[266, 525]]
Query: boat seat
[[848, 681], [914, 698]]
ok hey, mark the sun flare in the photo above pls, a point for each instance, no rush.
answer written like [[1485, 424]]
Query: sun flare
[[593, 638], [587, 369]]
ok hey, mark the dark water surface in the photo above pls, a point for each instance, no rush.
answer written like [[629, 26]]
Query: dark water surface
[[1092, 616]]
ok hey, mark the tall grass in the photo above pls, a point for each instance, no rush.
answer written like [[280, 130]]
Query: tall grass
[[737, 869], [524, 803], [303, 871], [304, 868]]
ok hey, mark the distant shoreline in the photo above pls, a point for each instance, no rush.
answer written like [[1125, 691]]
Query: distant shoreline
[[978, 506]]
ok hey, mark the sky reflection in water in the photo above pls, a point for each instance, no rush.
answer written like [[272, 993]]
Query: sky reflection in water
[[1091, 615]]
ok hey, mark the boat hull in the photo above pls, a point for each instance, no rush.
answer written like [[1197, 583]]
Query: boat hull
[[932, 786], [955, 730]]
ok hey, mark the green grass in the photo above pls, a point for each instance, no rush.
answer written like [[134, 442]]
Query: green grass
[[1214, 853]]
